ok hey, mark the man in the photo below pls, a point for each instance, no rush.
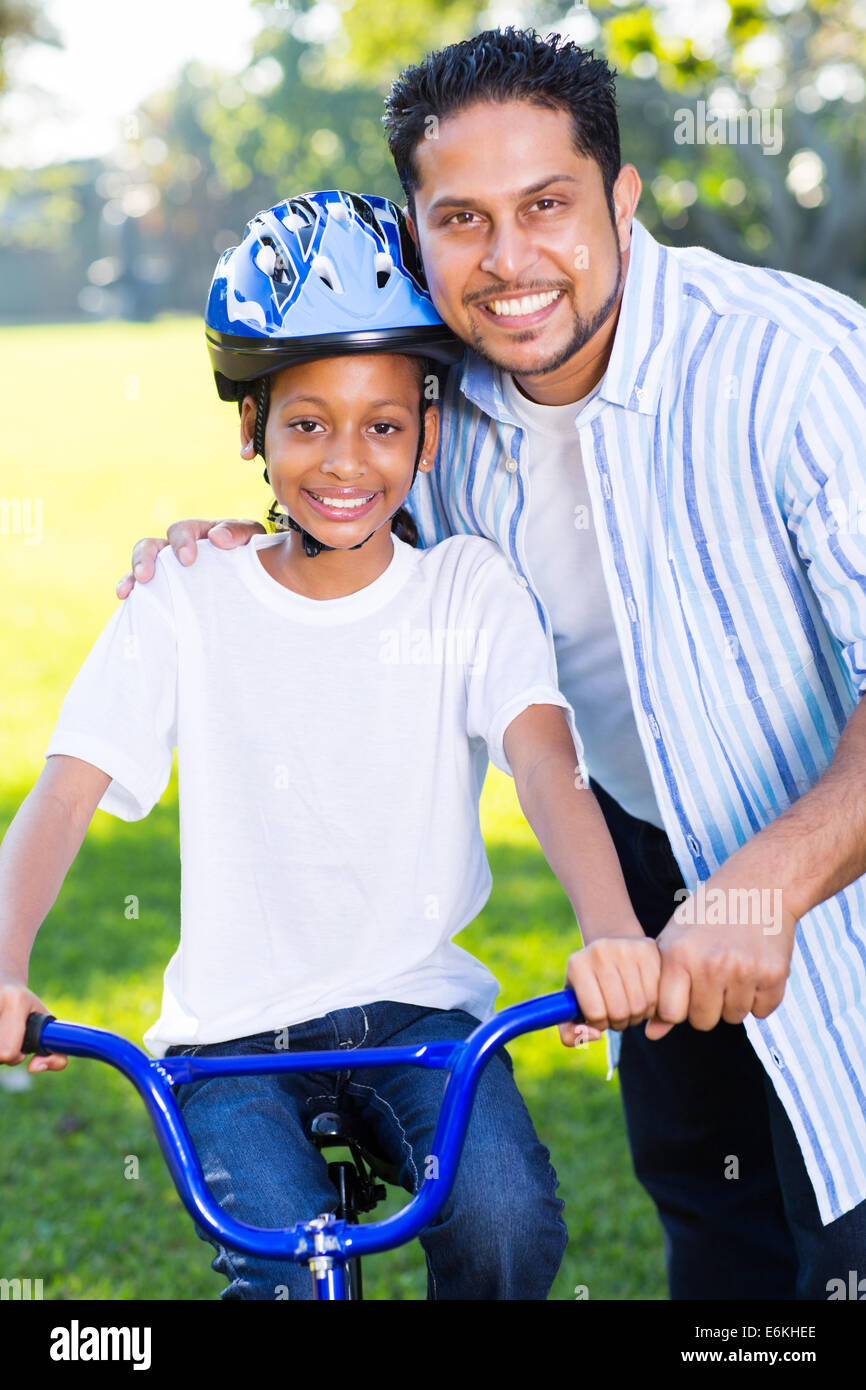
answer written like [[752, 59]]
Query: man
[[666, 445]]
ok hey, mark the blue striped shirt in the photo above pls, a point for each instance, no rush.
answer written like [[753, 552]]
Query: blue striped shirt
[[725, 455]]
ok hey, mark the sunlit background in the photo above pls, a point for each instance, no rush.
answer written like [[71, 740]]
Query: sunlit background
[[135, 143]]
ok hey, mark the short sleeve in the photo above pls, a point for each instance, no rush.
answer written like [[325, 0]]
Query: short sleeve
[[120, 713], [514, 663], [825, 495]]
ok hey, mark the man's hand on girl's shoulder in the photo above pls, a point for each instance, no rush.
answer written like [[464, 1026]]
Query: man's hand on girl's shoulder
[[182, 537]]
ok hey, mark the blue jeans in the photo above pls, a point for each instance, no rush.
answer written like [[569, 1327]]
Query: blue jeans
[[500, 1234], [691, 1099]]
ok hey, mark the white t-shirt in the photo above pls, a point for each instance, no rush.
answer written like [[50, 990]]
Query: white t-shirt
[[564, 564], [331, 756]]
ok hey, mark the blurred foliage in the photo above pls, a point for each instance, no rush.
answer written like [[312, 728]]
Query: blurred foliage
[[801, 64], [141, 230], [379, 37], [21, 21]]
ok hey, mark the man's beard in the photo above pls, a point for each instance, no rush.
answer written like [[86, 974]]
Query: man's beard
[[584, 329]]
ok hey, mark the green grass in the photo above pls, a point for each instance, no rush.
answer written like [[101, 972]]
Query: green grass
[[115, 431]]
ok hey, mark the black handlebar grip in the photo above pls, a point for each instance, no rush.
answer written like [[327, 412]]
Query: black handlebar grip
[[33, 1034]]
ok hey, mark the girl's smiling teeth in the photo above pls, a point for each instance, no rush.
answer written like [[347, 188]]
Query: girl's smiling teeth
[[342, 501]]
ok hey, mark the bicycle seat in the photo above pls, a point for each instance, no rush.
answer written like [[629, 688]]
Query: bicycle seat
[[333, 1129]]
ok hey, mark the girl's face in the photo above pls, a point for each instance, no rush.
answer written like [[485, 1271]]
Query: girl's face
[[341, 441]]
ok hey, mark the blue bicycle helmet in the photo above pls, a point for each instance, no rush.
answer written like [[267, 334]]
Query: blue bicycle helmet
[[318, 275]]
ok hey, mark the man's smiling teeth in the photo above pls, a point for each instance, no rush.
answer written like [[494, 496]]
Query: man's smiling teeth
[[343, 502], [530, 305]]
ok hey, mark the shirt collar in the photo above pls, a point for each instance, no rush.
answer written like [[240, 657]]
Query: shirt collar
[[645, 332]]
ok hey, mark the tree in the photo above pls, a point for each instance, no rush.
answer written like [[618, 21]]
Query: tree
[[22, 21], [801, 208]]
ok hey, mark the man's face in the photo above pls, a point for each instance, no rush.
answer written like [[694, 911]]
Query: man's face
[[522, 258]]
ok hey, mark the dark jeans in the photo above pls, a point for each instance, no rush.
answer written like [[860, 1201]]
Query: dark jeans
[[500, 1234], [694, 1101]]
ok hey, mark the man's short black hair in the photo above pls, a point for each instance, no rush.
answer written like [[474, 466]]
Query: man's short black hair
[[505, 65]]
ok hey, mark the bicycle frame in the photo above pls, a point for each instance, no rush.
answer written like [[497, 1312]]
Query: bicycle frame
[[324, 1243]]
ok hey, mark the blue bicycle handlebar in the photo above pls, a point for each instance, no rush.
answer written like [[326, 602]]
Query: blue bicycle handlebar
[[153, 1078]]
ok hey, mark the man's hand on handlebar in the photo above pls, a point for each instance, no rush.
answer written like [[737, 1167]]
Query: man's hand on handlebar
[[182, 537], [16, 1003]]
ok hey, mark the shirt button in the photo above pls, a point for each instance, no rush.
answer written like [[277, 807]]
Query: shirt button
[[632, 609], [522, 581], [693, 844], [653, 723], [776, 1058], [511, 465]]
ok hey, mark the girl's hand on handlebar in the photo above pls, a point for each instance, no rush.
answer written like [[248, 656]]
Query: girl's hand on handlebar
[[616, 980], [16, 1002]]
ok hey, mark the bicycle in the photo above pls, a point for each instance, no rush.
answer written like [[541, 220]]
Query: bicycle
[[330, 1244]]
